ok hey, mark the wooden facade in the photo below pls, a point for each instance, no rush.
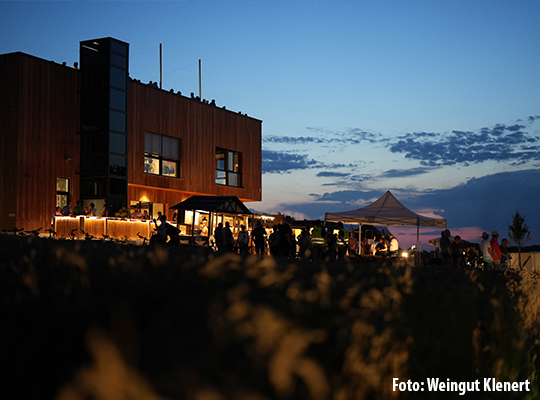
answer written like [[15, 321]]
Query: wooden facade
[[39, 122], [201, 128], [39, 142]]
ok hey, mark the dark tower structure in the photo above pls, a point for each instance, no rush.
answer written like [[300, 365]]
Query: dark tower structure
[[104, 120]]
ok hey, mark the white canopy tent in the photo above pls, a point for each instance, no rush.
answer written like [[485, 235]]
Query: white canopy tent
[[387, 210]]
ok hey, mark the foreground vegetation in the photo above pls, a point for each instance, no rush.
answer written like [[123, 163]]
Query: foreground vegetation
[[95, 320]]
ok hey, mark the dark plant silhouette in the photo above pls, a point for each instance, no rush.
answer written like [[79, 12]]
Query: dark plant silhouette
[[519, 233]]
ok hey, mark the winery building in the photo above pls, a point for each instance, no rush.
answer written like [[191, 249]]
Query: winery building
[[92, 133]]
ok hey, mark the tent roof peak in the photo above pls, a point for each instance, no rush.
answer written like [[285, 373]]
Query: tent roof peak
[[387, 210]]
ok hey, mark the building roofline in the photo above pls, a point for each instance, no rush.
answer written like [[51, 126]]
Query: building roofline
[[172, 93]]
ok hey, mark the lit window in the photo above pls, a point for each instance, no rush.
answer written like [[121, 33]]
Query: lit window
[[151, 165], [62, 191], [228, 168], [161, 155]]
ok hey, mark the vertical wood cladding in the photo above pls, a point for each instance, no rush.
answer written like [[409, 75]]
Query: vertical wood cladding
[[42, 137], [201, 128], [8, 140], [39, 142]]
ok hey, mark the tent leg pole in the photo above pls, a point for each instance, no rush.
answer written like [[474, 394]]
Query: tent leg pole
[[193, 227], [210, 227], [360, 247], [417, 258]]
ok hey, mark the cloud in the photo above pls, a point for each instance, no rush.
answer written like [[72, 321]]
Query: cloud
[[321, 136], [511, 143], [327, 174], [402, 173], [348, 197], [283, 162], [294, 141], [502, 143]]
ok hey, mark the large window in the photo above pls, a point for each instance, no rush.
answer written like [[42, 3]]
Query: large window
[[161, 155], [62, 191], [228, 168]]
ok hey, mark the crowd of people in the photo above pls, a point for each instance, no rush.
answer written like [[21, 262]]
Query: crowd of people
[[322, 243], [316, 244], [80, 209], [495, 256], [490, 256]]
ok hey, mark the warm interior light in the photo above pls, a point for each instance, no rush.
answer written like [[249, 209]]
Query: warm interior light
[[144, 198]]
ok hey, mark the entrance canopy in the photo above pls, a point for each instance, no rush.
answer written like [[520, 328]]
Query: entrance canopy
[[215, 205], [387, 210], [219, 204]]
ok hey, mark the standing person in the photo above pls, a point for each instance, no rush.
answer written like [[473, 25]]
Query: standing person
[[258, 238], [164, 231], [446, 249], [243, 240], [319, 243], [342, 241], [353, 244], [105, 212], [274, 240], [304, 244], [504, 254], [66, 210], [137, 214], [331, 240], [495, 250], [228, 240], [485, 248], [161, 232], [286, 239], [218, 236], [393, 248], [204, 228], [456, 251], [78, 209], [93, 211], [366, 248], [57, 213]]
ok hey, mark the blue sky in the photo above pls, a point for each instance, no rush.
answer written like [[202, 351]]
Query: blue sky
[[437, 101]]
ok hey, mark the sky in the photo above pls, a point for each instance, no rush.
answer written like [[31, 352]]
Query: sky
[[437, 101]]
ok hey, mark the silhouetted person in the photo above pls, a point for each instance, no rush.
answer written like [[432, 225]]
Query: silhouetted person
[[446, 249], [228, 240], [165, 231], [218, 236], [273, 241], [304, 244], [78, 209], [257, 236], [243, 240], [286, 239], [504, 254], [456, 252]]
